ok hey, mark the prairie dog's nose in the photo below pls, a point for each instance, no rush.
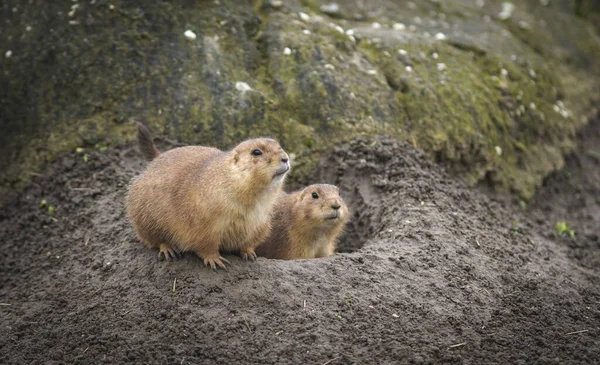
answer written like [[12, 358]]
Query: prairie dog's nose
[[336, 205], [284, 157]]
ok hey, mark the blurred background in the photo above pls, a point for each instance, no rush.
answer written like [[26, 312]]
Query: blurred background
[[496, 90]]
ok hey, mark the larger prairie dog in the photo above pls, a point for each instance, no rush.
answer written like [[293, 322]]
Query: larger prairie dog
[[306, 224], [204, 200]]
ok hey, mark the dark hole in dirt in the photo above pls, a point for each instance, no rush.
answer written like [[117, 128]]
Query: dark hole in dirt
[[360, 227]]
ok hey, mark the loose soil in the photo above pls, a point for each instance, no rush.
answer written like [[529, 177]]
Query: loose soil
[[430, 271]]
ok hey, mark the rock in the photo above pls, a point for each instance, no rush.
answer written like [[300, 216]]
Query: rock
[[312, 86], [332, 9]]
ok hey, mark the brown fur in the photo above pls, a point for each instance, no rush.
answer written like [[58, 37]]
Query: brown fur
[[204, 200], [146, 143], [301, 228]]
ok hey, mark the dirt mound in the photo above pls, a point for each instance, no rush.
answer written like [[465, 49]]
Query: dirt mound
[[432, 271]]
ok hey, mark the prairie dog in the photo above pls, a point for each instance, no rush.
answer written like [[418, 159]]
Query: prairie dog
[[204, 200], [306, 224]]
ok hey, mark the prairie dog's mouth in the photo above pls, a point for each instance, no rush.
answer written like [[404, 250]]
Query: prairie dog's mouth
[[282, 170], [333, 216]]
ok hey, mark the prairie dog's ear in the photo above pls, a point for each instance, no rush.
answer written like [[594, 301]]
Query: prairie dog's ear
[[235, 155], [300, 196]]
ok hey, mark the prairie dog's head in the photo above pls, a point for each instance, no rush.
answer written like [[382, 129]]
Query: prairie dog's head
[[262, 161], [323, 207]]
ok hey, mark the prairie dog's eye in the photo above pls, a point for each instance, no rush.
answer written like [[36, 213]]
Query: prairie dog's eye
[[315, 196], [256, 152]]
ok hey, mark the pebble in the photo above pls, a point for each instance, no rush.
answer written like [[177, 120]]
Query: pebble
[[498, 150], [375, 25], [532, 74], [399, 26], [441, 66], [339, 29], [242, 86], [8, 54], [329, 66], [435, 56], [331, 8], [440, 36], [306, 31], [402, 52], [408, 69], [73, 10], [372, 72], [350, 32], [304, 16], [287, 51], [190, 35], [507, 10]]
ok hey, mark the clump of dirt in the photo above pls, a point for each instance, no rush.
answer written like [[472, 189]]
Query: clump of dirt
[[430, 271]]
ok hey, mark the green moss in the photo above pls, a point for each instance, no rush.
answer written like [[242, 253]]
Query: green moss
[[134, 63]]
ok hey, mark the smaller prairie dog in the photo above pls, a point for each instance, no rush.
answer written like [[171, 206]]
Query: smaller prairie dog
[[204, 200], [306, 224]]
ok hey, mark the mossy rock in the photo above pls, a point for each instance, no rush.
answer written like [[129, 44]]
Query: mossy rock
[[497, 93]]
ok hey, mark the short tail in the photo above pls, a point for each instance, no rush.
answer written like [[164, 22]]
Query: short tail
[[146, 143]]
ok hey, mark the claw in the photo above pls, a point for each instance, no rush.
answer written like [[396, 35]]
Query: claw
[[166, 252], [248, 255], [214, 262]]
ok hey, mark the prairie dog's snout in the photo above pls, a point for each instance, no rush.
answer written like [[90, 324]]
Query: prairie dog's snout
[[284, 164]]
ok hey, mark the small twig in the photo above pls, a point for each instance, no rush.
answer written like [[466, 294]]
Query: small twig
[[477, 242], [5, 304], [278, 333], [576, 332], [87, 240], [332, 360], [81, 189], [182, 360], [457, 345], [246, 322], [87, 348], [304, 305], [174, 284]]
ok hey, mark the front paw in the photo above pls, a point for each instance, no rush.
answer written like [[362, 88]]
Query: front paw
[[248, 254]]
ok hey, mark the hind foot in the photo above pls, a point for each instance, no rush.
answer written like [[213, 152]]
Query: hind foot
[[168, 253]]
